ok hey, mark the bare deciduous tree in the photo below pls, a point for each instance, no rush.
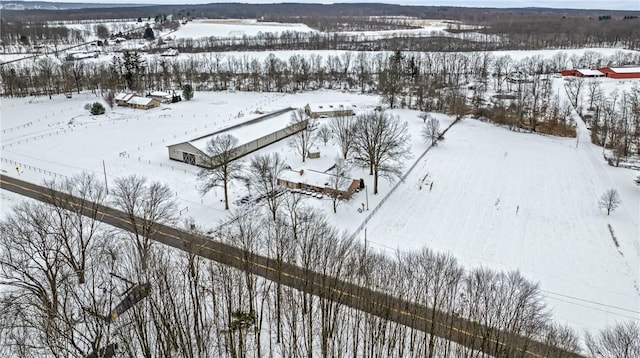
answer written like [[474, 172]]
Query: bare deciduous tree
[[381, 142], [76, 221], [610, 200], [324, 133], [262, 176], [222, 166], [619, 341], [145, 205], [303, 140], [431, 131], [338, 182], [343, 129]]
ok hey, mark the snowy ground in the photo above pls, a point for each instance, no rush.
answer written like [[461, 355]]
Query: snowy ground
[[500, 199], [234, 28]]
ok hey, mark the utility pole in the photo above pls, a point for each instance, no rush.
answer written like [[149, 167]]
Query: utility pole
[[104, 169], [366, 193]]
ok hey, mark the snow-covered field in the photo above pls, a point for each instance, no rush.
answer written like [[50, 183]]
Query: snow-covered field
[[234, 28]]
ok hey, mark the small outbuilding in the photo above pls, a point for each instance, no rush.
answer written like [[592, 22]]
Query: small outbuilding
[[322, 110]]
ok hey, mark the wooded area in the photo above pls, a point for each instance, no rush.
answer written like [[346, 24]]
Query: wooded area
[[190, 306]]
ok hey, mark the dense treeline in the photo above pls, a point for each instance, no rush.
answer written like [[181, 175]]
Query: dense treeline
[[196, 308], [503, 28], [456, 83]]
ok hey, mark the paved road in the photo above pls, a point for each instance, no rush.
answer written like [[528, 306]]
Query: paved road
[[461, 331]]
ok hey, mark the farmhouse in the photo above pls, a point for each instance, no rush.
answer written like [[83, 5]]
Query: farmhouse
[[307, 179], [251, 137], [321, 110], [621, 72], [123, 98], [172, 52], [143, 102]]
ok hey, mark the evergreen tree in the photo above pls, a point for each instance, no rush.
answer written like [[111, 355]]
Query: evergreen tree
[[187, 92]]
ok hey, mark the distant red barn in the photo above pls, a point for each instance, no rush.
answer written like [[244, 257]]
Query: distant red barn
[[568, 72], [621, 72]]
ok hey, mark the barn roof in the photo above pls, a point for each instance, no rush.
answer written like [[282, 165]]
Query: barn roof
[[249, 131], [588, 72], [123, 96], [625, 69], [330, 107], [141, 101]]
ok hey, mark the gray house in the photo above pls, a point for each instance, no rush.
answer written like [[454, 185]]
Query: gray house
[[251, 136]]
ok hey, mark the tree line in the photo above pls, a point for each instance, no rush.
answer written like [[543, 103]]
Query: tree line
[[64, 274], [455, 83]]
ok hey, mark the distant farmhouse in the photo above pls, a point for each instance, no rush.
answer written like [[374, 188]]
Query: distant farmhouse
[[324, 110], [611, 72], [143, 102], [171, 52], [132, 100], [307, 179], [250, 137]]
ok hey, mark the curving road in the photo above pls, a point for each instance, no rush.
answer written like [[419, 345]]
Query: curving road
[[440, 324]]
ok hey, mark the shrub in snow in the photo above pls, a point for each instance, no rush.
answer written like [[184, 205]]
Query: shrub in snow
[[97, 109]]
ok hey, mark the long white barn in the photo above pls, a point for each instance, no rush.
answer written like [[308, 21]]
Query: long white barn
[[251, 136]]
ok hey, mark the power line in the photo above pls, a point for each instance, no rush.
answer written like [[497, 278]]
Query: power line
[[593, 302]]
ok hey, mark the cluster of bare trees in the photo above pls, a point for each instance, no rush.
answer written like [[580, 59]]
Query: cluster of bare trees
[[613, 117], [426, 77], [63, 274]]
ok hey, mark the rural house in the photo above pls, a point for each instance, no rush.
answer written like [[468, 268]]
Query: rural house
[[123, 98], [143, 102], [307, 179]]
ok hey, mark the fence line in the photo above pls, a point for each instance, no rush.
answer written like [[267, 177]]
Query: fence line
[[396, 185], [21, 166]]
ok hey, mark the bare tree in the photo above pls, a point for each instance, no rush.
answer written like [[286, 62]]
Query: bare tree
[[145, 205], [222, 165], [431, 131], [324, 133], [262, 176], [424, 116], [76, 213], [573, 87], [619, 341], [610, 200], [338, 182], [343, 129], [381, 143], [303, 140]]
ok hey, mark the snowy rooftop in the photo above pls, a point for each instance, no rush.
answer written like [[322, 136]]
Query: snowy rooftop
[[626, 69], [313, 178], [588, 72], [123, 96], [159, 94], [249, 131], [140, 100], [325, 107]]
